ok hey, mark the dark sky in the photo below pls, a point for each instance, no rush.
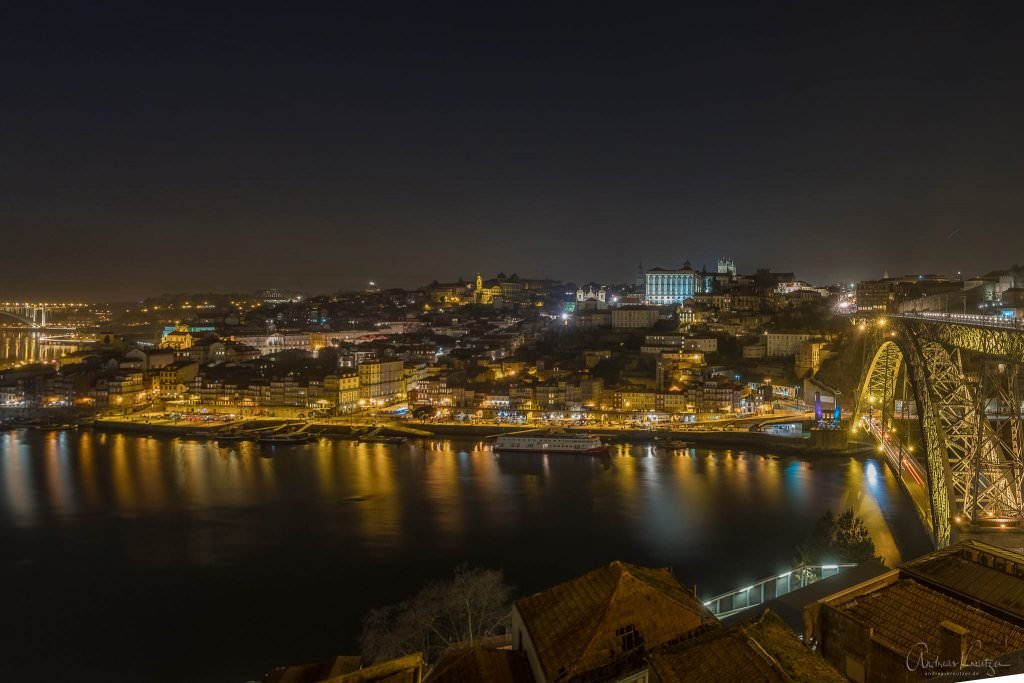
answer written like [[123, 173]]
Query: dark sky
[[148, 148]]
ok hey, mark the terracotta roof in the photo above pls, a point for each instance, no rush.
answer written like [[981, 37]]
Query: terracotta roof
[[762, 649], [314, 672], [482, 665], [987, 574], [606, 619], [906, 612], [407, 669]]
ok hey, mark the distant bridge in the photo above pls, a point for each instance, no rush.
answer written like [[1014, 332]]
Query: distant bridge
[[32, 315], [965, 376]]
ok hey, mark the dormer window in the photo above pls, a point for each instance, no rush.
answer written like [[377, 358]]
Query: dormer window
[[630, 636]]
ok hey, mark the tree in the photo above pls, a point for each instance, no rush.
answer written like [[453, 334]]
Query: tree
[[837, 540], [474, 604]]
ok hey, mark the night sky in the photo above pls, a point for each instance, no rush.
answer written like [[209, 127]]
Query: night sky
[[147, 149]]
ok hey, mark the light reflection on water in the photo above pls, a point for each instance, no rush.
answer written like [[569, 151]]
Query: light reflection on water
[[672, 495], [357, 525], [23, 344]]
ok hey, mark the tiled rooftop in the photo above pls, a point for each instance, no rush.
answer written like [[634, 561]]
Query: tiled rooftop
[[482, 664], [762, 649], [314, 672], [905, 613], [608, 617], [408, 669], [983, 572]]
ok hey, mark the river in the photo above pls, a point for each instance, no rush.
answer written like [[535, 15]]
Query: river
[[131, 558], [27, 345]]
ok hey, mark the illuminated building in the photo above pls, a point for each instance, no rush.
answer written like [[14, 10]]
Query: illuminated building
[[494, 293], [600, 295], [172, 380], [784, 344], [674, 286], [344, 390], [876, 296], [179, 338], [276, 341], [381, 382]]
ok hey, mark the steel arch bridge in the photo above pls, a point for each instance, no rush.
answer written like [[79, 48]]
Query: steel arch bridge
[[965, 375]]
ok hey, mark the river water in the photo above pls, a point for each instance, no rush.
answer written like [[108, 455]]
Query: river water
[[27, 345], [131, 558]]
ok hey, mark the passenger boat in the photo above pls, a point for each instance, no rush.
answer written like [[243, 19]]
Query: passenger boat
[[551, 442]]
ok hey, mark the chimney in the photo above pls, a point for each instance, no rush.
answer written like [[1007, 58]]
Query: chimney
[[952, 642]]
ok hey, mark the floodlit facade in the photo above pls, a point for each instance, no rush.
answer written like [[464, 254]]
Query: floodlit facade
[[664, 287]]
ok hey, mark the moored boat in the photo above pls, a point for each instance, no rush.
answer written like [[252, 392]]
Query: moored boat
[[551, 442]]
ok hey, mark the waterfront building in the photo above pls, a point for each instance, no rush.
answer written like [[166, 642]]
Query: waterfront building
[[120, 389], [344, 387], [381, 382], [663, 286], [715, 397], [632, 400], [172, 380]]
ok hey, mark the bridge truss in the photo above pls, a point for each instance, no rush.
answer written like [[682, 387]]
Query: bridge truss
[[967, 383]]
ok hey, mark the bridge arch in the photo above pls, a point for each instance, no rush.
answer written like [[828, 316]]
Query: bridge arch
[[972, 454]]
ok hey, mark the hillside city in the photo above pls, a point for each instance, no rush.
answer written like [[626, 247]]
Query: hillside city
[[676, 347]]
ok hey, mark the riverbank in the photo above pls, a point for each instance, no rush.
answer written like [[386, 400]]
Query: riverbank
[[717, 438]]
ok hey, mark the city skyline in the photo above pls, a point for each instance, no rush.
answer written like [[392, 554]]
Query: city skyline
[[151, 150]]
